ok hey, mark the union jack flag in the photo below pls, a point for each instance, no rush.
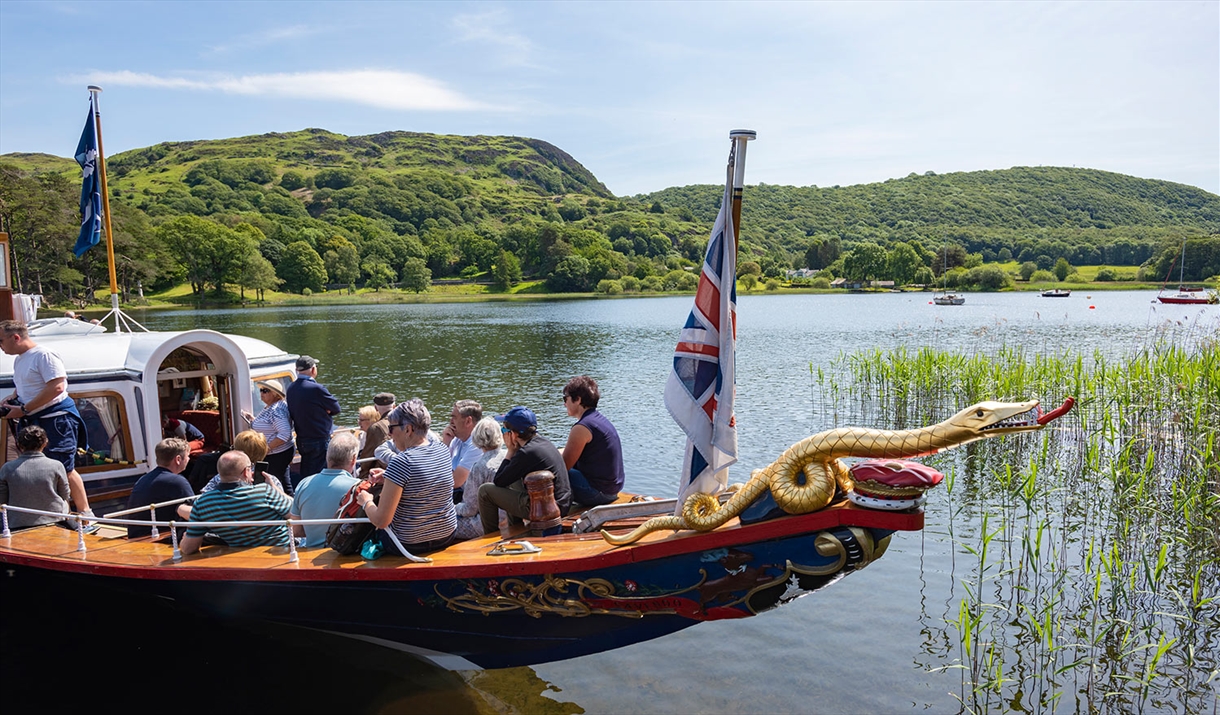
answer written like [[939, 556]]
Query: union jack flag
[[701, 388], [91, 188]]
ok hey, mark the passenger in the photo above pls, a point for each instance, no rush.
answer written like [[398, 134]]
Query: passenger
[[374, 431], [593, 454], [527, 452], [311, 407], [486, 437], [41, 398], [165, 483], [318, 496], [273, 423], [236, 499], [456, 436], [34, 481], [417, 499], [384, 402], [254, 446], [181, 429]]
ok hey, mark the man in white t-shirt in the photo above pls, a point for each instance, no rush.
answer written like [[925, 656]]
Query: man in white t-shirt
[[42, 399], [465, 415]]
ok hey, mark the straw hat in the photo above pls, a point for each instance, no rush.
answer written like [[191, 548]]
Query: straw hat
[[274, 387]]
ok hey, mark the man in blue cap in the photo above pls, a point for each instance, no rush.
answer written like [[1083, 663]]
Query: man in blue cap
[[528, 452]]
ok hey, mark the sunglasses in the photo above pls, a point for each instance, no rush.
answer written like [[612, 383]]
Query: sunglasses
[[263, 390]]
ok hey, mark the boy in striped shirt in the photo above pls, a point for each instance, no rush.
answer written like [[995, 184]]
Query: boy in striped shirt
[[237, 498]]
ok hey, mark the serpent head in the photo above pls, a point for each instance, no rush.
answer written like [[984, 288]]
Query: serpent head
[[991, 418]]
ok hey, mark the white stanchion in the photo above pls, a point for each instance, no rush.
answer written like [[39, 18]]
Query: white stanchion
[[80, 534], [152, 516], [174, 532], [292, 545], [6, 534]]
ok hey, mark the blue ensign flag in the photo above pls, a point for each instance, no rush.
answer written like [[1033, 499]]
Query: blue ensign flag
[[702, 386], [90, 189]]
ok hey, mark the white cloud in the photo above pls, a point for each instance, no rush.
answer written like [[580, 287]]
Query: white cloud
[[385, 89], [491, 28], [268, 37]]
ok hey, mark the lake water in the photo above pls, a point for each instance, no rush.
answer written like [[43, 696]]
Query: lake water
[[874, 642]]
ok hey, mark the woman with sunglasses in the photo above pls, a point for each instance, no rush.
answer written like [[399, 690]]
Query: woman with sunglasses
[[417, 499], [272, 423]]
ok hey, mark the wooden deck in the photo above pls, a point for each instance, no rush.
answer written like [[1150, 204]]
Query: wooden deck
[[109, 552]]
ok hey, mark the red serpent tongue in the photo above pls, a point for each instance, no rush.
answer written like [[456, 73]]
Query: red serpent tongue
[[1057, 412]]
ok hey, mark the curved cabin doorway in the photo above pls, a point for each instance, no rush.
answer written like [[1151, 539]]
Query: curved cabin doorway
[[195, 402]]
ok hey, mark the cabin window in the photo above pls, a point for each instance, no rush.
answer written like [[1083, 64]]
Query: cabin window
[[105, 418]]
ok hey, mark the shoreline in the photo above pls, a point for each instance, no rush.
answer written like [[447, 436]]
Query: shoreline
[[169, 301]]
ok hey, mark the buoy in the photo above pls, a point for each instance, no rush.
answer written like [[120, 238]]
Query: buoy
[[1092, 307]]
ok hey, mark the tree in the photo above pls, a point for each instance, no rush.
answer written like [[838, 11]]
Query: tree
[[570, 276], [379, 274], [507, 270], [903, 262], [749, 268], [258, 275], [292, 181], [342, 261], [1062, 268], [951, 256], [302, 268], [1027, 269], [748, 281], [415, 275], [210, 253], [866, 261]]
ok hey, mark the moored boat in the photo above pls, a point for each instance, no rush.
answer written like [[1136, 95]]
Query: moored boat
[[1187, 295], [949, 299], [1056, 293]]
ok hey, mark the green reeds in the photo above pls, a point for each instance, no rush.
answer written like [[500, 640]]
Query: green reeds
[[1094, 545]]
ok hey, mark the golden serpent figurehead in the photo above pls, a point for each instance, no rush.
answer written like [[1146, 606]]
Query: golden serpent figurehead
[[805, 476]]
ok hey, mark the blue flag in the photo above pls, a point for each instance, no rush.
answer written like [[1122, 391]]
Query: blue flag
[[91, 188]]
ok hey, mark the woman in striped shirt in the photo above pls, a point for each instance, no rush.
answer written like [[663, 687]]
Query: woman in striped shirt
[[273, 424], [417, 499]]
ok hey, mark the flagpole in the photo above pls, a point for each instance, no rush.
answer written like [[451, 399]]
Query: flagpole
[[94, 91], [121, 321], [739, 137]]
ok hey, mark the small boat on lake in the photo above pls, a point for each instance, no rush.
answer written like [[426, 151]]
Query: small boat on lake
[[949, 299], [1056, 293], [1187, 295]]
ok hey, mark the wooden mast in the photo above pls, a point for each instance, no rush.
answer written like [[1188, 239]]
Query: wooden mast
[[739, 137], [94, 91]]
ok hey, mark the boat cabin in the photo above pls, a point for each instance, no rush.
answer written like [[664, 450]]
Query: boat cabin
[[124, 383]]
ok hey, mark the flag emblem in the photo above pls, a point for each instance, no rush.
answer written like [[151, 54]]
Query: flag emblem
[[91, 188]]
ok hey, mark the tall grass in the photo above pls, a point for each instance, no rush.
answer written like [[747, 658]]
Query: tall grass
[[1093, 546]]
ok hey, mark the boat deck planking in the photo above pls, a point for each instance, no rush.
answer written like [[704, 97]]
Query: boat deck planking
[[55, 548]]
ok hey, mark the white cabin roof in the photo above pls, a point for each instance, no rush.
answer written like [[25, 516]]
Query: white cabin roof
[[108, 353]]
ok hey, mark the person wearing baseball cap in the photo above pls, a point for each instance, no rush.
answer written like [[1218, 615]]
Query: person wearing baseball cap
[[311, 407], [528, 452]]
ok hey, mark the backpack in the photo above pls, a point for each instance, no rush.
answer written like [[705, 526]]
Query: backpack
[[347, 538]]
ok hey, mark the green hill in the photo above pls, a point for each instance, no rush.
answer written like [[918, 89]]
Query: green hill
[[400, 205]]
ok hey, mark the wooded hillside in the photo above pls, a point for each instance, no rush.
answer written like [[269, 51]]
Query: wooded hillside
[[304, 209]]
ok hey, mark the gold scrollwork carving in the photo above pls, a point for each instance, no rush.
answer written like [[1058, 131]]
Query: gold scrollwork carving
[[554, 595]]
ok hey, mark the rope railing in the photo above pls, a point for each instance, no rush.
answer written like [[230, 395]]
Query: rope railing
[[174, 525]]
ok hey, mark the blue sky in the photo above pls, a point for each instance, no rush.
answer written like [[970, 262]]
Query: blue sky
[[644, 94]]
